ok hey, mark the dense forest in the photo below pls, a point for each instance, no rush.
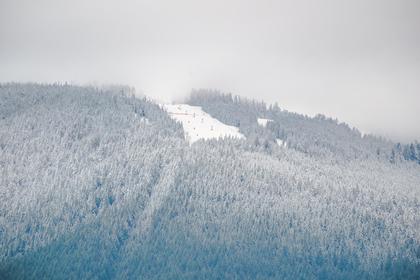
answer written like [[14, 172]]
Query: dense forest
[[317, 136], [99, 184]]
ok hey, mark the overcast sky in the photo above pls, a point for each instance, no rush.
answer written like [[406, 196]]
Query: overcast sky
[[355, 60]]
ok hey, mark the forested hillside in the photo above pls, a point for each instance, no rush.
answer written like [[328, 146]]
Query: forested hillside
[[319, 136], [98, 184]]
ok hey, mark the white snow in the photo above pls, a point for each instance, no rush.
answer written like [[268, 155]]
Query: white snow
[[198, 124], [281, 143], [263, 122], [143, 119]]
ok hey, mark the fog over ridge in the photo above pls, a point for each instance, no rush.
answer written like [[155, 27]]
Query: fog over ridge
[[358, 61]]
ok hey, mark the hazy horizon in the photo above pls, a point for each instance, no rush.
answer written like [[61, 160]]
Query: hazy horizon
[[357, 61]]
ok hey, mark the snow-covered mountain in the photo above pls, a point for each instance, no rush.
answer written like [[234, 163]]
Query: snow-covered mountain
[[99, 184]]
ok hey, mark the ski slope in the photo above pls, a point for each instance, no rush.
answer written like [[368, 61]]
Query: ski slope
[[198, 124]]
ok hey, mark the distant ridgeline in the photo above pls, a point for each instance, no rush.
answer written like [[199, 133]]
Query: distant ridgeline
[[317, 136], [98, 184]]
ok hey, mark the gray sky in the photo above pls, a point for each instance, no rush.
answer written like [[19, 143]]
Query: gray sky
[[356, 60]]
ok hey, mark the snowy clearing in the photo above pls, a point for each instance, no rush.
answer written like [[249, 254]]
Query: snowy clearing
[[263, 122], [143, 119], [198, 124], [281, 143]]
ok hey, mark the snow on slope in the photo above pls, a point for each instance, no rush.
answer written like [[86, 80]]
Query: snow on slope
[[263, 122], [281, 143], [198, 124]]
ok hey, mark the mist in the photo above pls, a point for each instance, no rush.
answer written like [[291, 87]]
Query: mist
[[358, 61]]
